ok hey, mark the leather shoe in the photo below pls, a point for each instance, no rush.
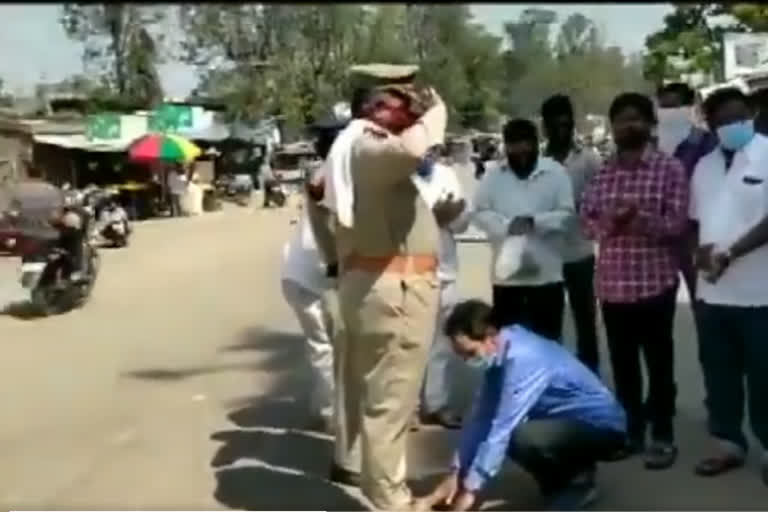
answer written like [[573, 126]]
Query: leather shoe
[[339, 475]]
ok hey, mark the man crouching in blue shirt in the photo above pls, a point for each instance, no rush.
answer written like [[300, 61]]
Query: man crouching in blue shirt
[[537, 405]]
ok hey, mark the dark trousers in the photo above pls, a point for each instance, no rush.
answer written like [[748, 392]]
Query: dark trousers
[[554, 451], [72, 241], [733, 349], [644, 327], [539, 308], [579, 283], [175, 205]]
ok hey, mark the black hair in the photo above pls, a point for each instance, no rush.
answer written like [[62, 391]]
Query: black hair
[[359, 98], [325, 138], [759, 98], [33, 171], [555, 106], [520, 129], [722, 96], [684, 91], [472, 318], [639, 102]]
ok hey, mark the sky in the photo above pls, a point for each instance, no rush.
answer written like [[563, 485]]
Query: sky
[[36, 48]]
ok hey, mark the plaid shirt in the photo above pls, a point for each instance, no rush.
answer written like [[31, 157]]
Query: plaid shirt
[[639, 259]]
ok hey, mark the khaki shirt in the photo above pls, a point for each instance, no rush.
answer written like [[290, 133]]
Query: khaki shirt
[[390, 216]]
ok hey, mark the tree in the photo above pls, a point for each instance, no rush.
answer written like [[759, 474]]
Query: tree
[[311, 48], [6, 99], [292, 61], [294, 58], [691, 39], [118, 43], [578, 35]]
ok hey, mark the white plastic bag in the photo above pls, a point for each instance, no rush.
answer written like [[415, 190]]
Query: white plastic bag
[[192, 200], [514, 258]]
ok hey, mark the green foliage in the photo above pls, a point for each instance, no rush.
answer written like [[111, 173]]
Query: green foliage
[[292, 60], [692, 36], [118, 46]]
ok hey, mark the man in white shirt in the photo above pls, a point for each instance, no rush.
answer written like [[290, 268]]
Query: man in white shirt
[[581, 163], [531, 196], [452, 216], [304, 283], [729, 201], [177, 185]]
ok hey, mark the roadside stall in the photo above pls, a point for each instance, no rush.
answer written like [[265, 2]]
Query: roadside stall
[[160, 151]]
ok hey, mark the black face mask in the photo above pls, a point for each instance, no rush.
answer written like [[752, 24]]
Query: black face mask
[[632, 138], [523, 164]]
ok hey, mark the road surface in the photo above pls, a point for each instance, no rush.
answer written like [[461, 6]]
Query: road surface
[[181, 386]]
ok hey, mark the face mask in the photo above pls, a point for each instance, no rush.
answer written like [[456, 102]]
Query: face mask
[[632, 138], [522, 165], [735, 136], [674, 126], [480, 362]]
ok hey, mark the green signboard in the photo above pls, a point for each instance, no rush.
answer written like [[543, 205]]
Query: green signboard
[[170, 118], [157, 123], [103, 126]]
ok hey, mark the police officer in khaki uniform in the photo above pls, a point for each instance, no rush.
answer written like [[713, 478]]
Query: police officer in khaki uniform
[[347, 456], [388, 298]]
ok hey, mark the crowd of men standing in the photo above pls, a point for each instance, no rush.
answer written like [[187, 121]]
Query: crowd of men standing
[[371, 269]]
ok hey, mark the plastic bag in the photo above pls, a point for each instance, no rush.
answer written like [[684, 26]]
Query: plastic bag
[[514, 258]]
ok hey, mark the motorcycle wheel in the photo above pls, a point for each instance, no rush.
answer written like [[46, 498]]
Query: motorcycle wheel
[[279, 199], [48, 301], [94, 262]]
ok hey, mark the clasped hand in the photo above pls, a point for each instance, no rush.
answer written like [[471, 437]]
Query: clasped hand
[[447, 209], [711, 262], [520, 225], [619, 216]]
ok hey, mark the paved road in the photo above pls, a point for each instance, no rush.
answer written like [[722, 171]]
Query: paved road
[[181, 386]]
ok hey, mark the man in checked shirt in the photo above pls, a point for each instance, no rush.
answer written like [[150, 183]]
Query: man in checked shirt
[[636, 209]]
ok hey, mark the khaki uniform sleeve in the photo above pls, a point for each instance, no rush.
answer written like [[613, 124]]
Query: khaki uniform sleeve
[[391, 159]]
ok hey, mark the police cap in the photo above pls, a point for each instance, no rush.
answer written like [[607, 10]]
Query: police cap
[[372, 75]]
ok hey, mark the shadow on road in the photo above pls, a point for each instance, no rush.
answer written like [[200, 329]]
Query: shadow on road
[[169, 374], [279, 462], [21, 310], [260, 488], [276, 448]]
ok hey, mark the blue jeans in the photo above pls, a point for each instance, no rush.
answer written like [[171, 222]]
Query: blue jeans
[[733, 344]]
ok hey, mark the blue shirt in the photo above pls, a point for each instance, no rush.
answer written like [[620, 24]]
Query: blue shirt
[[531, 378]]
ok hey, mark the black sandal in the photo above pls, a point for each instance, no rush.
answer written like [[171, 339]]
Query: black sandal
[[660, 456]]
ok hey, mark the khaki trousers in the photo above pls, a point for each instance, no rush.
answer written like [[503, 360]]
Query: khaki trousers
[[389, 323]]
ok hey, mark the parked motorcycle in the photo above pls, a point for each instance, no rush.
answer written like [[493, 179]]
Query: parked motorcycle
[[116, 232], [275, 193], [236, 187], [51, 291]]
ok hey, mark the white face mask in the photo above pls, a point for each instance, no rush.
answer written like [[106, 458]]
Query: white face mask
[[674, 126]]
